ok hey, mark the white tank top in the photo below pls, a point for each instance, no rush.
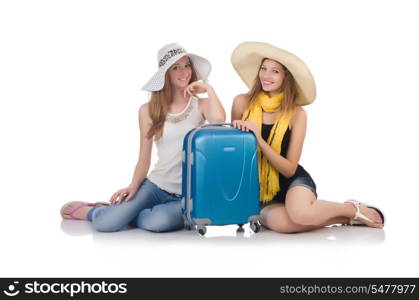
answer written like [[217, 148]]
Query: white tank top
[[167, 172]]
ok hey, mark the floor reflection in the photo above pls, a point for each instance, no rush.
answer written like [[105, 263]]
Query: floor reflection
[[348, 235]]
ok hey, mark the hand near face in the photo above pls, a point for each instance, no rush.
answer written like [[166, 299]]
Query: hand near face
[[196, 87]]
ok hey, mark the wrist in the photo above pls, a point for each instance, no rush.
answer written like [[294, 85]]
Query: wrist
[[209, 88], [260, 140], [134, 186]]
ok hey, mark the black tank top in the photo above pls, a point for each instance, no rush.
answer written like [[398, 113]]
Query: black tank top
[[283, 181]]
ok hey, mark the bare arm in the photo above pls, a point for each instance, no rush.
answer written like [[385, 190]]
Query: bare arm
[[211, 107], [146, 145], [239, 106], [143, 164]]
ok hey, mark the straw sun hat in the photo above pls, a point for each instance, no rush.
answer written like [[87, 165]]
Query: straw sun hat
[[167, 56], [247, 58]]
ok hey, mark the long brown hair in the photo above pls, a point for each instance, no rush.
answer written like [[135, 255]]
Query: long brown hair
[[288, 88], [159, 105]]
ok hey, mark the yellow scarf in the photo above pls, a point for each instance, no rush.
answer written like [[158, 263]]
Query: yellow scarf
[[268, 176]]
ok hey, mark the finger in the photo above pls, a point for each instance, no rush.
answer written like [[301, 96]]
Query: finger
[[113, 197], [124, 197], [187, 92], [117, 198]]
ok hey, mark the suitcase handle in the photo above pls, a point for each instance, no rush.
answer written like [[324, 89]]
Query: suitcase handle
[[216, 124]]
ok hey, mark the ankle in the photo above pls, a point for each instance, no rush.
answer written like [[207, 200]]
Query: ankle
[[83, 212], [350, 210]]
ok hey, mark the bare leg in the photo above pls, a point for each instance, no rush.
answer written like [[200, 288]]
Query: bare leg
[[303, 208], [276, 218]]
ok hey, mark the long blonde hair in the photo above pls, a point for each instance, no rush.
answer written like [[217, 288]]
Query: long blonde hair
[[159, 105], [288, 87]]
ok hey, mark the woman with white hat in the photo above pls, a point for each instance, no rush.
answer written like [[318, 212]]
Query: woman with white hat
[[280, 84], [152, 201]]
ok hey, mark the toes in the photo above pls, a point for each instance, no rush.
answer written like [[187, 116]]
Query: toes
[[377, 217], [374, 216], [68, 209]]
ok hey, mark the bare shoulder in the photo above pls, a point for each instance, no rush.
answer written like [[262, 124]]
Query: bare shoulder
[[301, 113], [241, 100], [144, 118], [300, 117], [143, 112], [240, 104]]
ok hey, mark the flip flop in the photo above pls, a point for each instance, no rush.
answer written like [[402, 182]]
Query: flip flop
[[71, 216]]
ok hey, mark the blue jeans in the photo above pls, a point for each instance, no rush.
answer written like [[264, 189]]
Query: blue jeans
[[151, 209]]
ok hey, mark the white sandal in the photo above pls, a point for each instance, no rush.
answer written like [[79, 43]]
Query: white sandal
[[358, 215]]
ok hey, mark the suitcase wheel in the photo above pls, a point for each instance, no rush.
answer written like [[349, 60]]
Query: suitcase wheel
[[202, 230], [255, 226], [240, 229]]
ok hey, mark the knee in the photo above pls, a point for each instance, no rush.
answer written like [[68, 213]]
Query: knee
[[159, 221], [103, 226], [102, 223], [302, 217], [277, 222], [281, 226]]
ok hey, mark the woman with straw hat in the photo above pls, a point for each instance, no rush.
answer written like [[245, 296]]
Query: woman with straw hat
[[152, 201], [280, 84]]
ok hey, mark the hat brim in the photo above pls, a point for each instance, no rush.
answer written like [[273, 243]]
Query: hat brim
[[201, 66], [247, 57]]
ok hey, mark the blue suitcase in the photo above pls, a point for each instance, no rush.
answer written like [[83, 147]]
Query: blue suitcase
[[220, 181]]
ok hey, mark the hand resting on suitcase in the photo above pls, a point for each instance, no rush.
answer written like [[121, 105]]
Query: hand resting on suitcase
[[246, 126]]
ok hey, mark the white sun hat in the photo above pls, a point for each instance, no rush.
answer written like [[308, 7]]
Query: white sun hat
[[167, 56], [247, 57]]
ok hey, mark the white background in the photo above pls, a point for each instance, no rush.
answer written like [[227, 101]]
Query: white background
[[70, 79]]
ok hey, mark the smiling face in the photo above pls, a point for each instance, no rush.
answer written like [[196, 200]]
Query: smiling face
[[271, 76], [180, 73]]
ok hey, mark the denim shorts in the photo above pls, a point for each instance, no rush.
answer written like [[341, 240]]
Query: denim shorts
[[305, 181], [301, 180]]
